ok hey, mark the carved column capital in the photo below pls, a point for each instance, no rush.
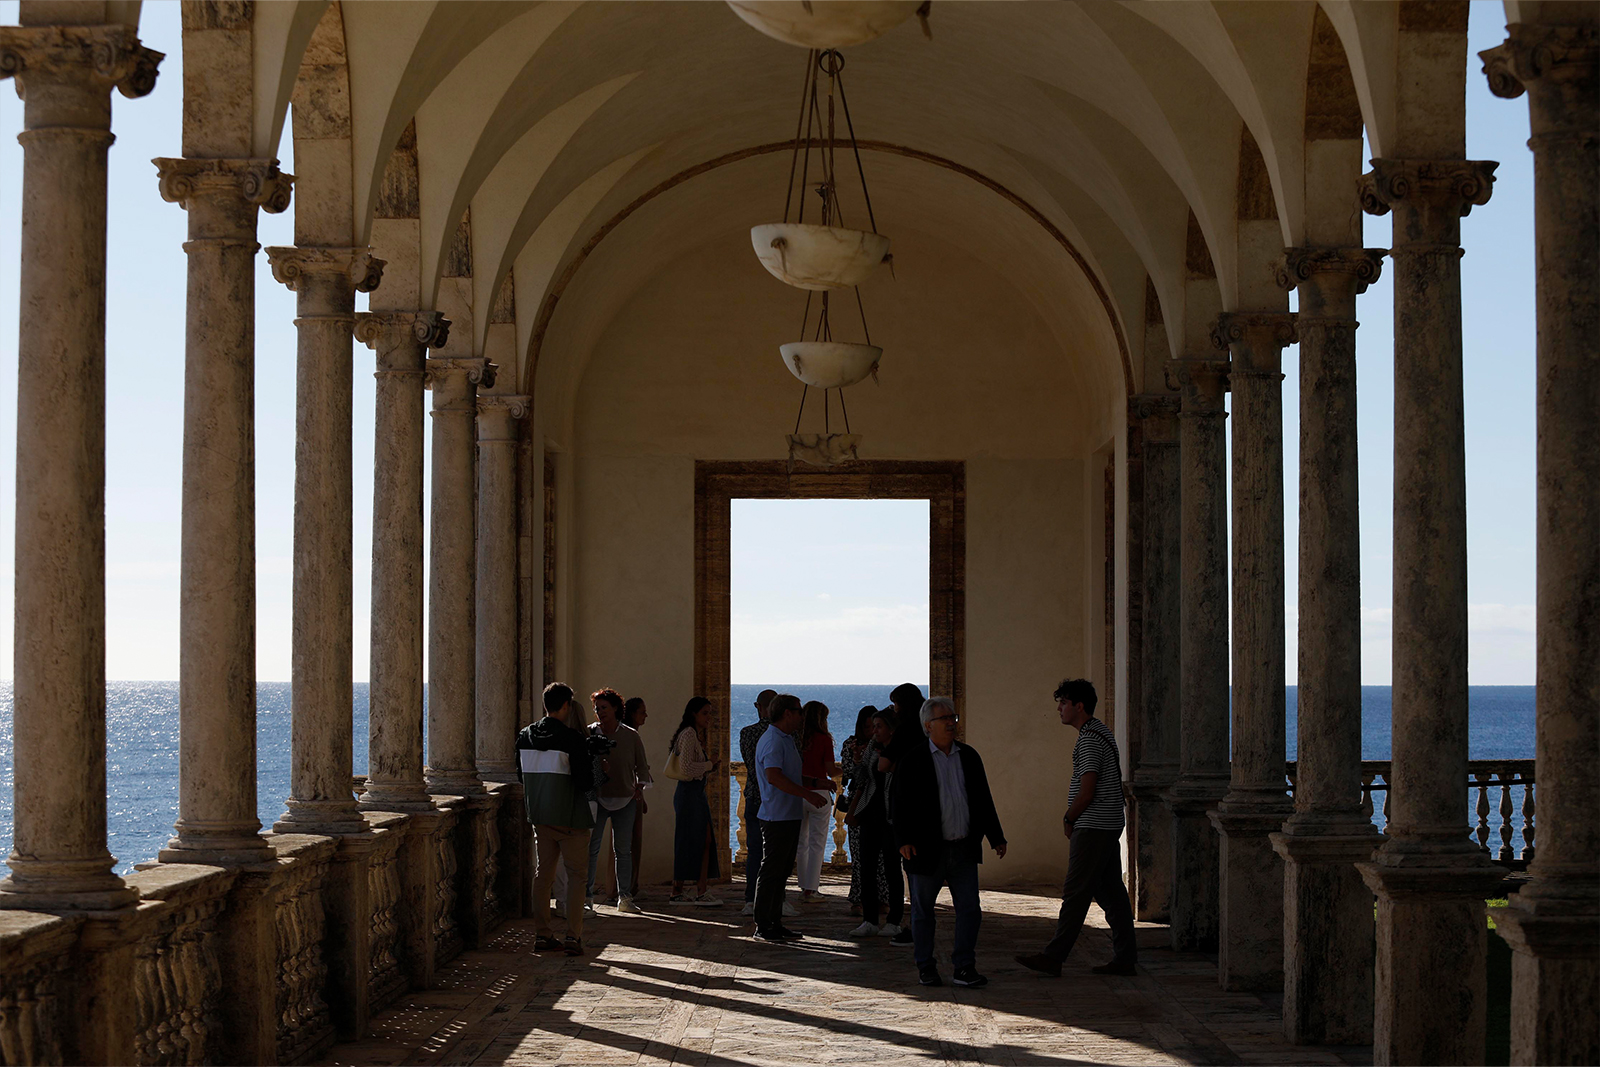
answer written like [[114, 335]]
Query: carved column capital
[[103, 56], [1201, 384], [1153, 406], [513, 407], [1258, 329], [1299, 265], [1536, 52], [292, 265], [257, 182], [385, 329], [1460, 184], [479, 372]]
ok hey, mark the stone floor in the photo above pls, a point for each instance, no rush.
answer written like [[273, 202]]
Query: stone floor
[[689, 985]]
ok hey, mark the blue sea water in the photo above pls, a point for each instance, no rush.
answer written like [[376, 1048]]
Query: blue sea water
[[142, 745]]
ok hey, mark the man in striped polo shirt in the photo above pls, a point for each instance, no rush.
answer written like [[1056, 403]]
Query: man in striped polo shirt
[[1093, 825]]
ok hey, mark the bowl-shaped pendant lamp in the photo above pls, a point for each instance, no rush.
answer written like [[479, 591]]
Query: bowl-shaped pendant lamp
[[824, 23], [830, 364], [818, 257]]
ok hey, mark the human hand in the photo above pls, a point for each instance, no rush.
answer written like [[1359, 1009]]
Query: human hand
[[1066, 827], [907, 851], [1000, 850], [816, 799]]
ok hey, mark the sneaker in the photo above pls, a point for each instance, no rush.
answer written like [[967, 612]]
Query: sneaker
[[1126, 970], [572, 946], [749, 908], [789, 910], [589, 914], [811, 896], [545, 944], [866, 929], [903, 938], [929, 975], [628, 907], [706, 900], [680, 898], [969, 978], [790, 935], [889, 930], [1041, 963], [772, 936]]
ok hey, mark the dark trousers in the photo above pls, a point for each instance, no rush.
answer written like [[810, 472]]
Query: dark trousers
[[877, 845], [961, 875], [1094, 872], [752, 846], [779, 842]]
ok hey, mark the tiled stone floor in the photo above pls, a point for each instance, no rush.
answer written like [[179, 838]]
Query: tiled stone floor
[[688, 985]]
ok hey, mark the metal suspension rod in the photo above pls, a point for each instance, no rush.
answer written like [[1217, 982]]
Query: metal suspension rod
[[861, 308], [844, 409], [804, 389], [794, 159], [857, 149]]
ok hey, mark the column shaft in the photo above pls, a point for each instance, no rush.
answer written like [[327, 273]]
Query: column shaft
[[395, 706], [1327, 907], [498, 439], [1551, 924], [452, 741], [1203, 747], [65, 74], [324, 281], [1430, 878], [1250, 909]]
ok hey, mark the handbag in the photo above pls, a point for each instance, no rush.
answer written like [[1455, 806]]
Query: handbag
[[674, 768]]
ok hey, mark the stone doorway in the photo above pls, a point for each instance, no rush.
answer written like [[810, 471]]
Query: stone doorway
[[719, 483]]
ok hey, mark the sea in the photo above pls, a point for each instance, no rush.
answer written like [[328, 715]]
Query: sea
[[142, 746]]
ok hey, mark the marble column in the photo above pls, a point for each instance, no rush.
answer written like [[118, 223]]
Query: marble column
[[1327, 929], [1250, 894], [1161, 573], [65, 75], [325, 281], [1203, 651], [394, 747], [1429, 876], [498, 439], [452, 708], [1553, 924]]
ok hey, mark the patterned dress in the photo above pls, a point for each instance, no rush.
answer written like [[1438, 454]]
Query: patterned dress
[[853, 758]]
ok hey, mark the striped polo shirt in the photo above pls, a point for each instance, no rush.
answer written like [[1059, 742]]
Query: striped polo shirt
[[1096, 753]]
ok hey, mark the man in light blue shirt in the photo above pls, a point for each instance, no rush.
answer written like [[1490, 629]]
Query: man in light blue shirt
[[777, 773]]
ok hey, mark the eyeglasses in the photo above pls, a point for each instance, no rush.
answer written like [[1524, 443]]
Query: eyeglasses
[[945, 718]]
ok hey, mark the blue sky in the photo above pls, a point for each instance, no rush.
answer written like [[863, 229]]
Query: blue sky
[[849, 576]]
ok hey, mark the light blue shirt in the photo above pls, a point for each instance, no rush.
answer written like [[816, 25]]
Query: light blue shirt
[[955, 818], [776, 750]]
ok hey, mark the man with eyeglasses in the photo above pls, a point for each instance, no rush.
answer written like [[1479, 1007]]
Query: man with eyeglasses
[[943, 810]]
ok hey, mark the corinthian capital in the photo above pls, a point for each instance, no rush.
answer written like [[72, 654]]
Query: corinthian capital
[[1460, 184], [474, 371], [292, 265], [1535, 52], [104, 55], [1301, 264], [257, 182], [387, 329]]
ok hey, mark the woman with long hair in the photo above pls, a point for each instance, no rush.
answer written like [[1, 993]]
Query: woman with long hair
[[694, 851], [634, 714], [850, 757], [817, 768]]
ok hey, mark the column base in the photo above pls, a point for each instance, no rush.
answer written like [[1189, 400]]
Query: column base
[[328, 818], [1250, 896], [1554, 932], [65, 886], [392, 796], [1195, 863], [217, 844], [1430, 997], [1327, 932], [453, 783]]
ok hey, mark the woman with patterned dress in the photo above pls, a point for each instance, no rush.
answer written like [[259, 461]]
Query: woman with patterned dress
[[694, 852]]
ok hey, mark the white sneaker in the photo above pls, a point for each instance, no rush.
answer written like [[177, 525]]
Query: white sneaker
[[749, 909], [706, 900], [789, 910], [588, 909], [866, 929], [628, 907], [888, 929]]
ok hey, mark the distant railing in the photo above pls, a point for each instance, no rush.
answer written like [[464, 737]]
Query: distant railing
[[1513, 804], [838, 862]]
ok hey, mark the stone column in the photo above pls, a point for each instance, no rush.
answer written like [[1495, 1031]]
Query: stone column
[[65, 75], [452, 743], [324, 281], [1327, 907], [1203, 746], [1430, 877], [1552, 923], [394, 747], [1250, 901], [1157, 766], [498, 439]]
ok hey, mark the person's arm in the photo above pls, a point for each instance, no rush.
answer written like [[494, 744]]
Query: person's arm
[[782, 784], [692, 757], [992, 830], [1086, 784]]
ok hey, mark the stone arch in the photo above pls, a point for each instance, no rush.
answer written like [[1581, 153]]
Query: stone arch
[[1333, 129], [321, 127]]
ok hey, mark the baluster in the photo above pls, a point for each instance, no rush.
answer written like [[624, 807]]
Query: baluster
[[1506, 855], [1367, 779], [1483, 810], [1388, 795], [1527, 819], [741, 777], [840, 857]]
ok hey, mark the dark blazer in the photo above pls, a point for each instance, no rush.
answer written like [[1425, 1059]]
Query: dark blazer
[[914, 803]]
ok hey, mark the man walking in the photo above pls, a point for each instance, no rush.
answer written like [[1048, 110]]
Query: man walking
[[777, 770], [1093, 825], [627, 773], [942, 812], [749, 738]]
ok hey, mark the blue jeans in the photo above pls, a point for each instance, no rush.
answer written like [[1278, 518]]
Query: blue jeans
[[621, 843], [962, 878]]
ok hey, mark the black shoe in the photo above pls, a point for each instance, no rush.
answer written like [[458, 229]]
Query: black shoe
[[546, 944], [929, 975], [969, 977], [572, 946], [1041, 963], [774, 936], [903, 938], [1126, 970], [790, 935]]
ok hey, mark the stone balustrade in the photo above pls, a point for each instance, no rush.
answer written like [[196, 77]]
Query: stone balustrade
[[838, 862], [35, 955], [177, 978]]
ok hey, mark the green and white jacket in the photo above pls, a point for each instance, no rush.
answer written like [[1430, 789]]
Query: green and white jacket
[[557, 774]]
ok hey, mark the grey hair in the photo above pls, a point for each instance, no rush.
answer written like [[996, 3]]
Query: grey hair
[[930, 706]]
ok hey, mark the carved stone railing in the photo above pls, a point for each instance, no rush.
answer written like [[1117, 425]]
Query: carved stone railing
[[386, 977], [35, 954], [177, 976], [446, 930], [1503, 789], [304, 1023], [838, 863]]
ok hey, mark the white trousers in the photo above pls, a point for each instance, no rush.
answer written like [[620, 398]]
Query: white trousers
[[816, 825]]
